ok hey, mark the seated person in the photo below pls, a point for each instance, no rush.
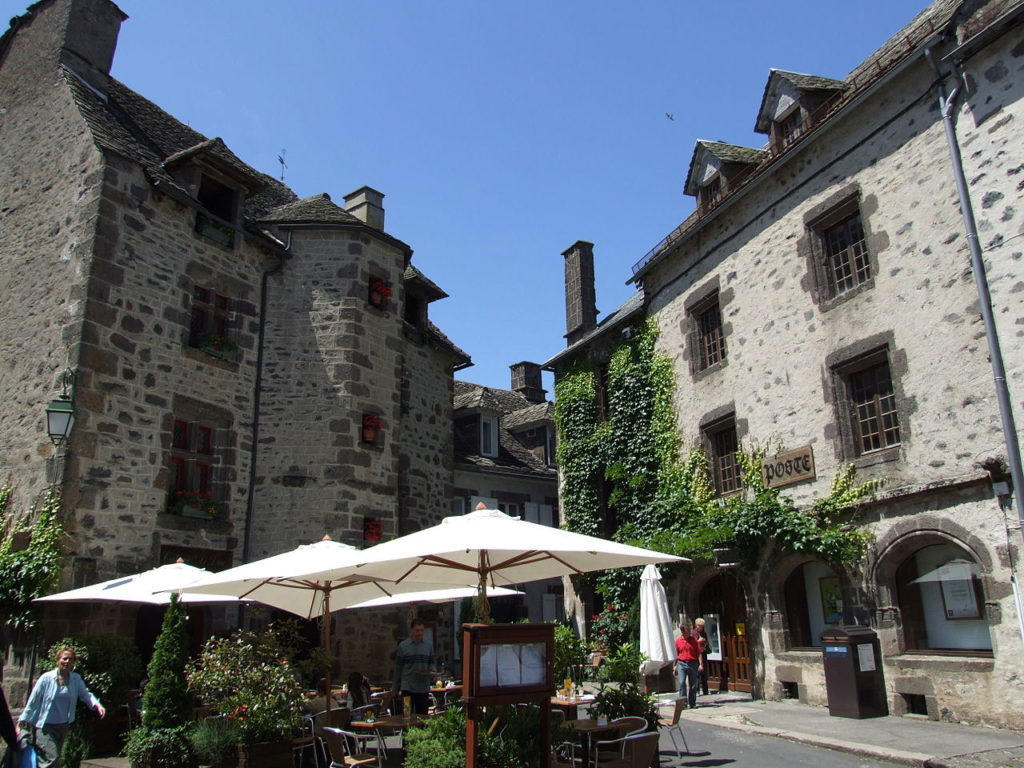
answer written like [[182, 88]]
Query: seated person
[[358, 691]]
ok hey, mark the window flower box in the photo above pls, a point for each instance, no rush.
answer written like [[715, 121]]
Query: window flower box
[[218, 346], [371, 426], [380, 292], [219, 233], [199, 505]]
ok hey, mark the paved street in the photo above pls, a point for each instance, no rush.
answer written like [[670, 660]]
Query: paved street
[[711, 745]]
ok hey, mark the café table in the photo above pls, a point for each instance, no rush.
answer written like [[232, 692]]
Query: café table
[[444, 695], [571, 704], [587, 727], [389, 722]]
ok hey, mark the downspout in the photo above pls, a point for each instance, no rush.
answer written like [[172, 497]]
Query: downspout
[[946, 107], [257, 389]]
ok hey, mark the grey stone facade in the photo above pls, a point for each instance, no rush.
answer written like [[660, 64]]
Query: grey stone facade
[[794, 337], [224, 336]]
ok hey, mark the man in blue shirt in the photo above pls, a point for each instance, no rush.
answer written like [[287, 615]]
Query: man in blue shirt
[[414, 668]]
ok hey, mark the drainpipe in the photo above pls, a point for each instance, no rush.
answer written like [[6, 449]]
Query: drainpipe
[[946, 106], [257, 389]]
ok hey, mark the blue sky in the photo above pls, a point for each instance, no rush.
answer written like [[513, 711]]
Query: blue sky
[[500, 132]]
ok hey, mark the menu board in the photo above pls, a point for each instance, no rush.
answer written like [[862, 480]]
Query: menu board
[[507, 660]]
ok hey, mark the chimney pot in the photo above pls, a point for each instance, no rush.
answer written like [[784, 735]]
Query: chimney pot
[[580, 298], [367, 205]]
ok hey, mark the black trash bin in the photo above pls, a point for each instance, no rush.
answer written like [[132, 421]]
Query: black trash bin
[[853, 672]]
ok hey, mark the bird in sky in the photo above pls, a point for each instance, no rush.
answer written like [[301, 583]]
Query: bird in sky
[[670, 116]]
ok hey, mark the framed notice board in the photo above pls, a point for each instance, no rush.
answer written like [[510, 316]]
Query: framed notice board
[[504, 663]]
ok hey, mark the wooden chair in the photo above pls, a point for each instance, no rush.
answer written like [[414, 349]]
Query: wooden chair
[[674, 726], [341, 754], [636, 751]]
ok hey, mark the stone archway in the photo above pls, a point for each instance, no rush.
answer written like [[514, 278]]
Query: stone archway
[[722, 601]]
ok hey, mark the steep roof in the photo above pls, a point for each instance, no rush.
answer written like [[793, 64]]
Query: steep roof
[[629, 309], [776, 82], [515, 411], [723, 152], [936, 18], [318, 209]]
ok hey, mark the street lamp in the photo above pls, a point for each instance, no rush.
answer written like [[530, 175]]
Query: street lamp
[[60, 413]]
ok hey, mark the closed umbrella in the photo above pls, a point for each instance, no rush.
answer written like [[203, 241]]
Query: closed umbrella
[[656, 642]]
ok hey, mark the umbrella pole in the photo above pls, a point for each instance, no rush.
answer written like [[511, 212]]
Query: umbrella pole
[[483, 607], [327, 650]]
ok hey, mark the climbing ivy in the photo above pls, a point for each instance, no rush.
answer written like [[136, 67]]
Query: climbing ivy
[[659, 492], [33, 571]]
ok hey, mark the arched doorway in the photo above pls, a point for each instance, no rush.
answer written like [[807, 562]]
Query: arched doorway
[[722, 602]]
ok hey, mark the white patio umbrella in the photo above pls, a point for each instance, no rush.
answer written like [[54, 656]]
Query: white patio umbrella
[[294, 582], [494, 549], [432, 596], [152, 587], [656, 642]]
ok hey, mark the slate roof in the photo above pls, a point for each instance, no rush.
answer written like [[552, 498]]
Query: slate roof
[[727, 153], [937, 17], [629, 309], [515, 411], [318, 209], [462, 360], [427, 286], [801, 81]]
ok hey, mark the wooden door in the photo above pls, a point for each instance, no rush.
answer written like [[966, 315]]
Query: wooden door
[[723, 596]]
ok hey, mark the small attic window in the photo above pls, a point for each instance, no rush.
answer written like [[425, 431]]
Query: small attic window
[[218, 198], [789, 128], [711, 192]]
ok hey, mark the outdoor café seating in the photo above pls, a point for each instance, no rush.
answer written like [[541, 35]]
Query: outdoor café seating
[[343, 750], [674, 726], [634, 751]]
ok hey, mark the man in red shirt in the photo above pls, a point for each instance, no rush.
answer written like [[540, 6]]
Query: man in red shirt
[[688, 656]]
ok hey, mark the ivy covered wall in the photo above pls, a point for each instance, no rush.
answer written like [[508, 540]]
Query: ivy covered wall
[[630, 474]]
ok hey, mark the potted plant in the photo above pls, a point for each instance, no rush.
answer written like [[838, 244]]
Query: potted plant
[[217, 345], [198, 504], [371, 426], [379, 292], [246, 679]]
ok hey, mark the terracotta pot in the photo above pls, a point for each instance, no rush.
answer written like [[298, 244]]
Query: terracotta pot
[[376, 298], [369, 435]]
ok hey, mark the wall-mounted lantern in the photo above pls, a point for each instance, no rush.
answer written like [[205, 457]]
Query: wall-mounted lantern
[[60, 413]]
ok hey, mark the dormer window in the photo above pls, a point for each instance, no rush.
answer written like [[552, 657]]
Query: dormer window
[[221, 201], [711, 192], [488, 435], [789, 128]]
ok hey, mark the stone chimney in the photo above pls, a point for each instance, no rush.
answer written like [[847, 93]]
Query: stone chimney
[[367, 205], [526, 381], [580, 300], [90, 39]]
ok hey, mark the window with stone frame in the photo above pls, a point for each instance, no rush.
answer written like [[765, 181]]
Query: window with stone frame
[[723, 446], [212, 324], [192, 467], [870, 396], [707, 337], [601, 383], [847, 262]]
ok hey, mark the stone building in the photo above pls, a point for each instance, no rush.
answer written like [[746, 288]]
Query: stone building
[[821, 299], [505, 459], [250, 370]]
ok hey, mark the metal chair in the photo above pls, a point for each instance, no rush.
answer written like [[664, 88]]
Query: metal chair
[[635, 751], [361, 713], [341, 753], [674, 726], [630, 725]]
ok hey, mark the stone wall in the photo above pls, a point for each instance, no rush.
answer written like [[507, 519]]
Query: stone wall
[[48, 214], [784, 338]]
